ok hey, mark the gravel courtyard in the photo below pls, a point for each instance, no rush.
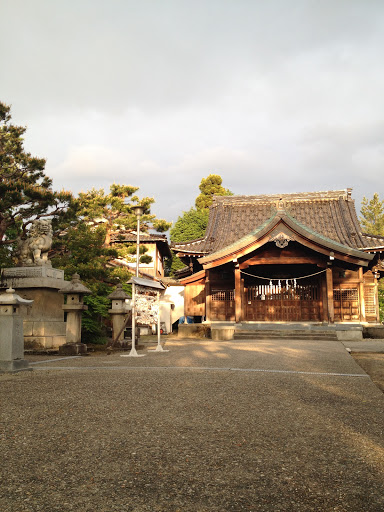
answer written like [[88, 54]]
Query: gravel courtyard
[[229, 426]]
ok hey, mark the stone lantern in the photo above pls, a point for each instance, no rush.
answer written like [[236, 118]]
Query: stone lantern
[[74, 308], [118, 313], [11, 332]]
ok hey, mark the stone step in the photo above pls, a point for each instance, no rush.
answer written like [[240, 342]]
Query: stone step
[[293, 335], [283, 333]]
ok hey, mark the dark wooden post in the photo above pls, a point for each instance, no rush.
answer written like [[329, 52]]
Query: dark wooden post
[[361, 296], [324, 297], [208, 296], [331, 308], [238, 301]]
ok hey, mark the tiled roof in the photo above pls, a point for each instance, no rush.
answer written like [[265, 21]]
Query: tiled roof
[[330, 214], [131, 236]]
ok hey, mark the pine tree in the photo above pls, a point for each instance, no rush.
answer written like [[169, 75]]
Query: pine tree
[[372, 215], [192, 224], [25, 191], [209, 187]]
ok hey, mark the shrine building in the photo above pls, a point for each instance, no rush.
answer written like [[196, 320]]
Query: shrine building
[[283, 258]]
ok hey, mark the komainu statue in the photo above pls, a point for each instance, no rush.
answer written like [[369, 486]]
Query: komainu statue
[[34, 250]]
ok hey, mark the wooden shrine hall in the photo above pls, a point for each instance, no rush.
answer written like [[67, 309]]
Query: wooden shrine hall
[[283, 258]]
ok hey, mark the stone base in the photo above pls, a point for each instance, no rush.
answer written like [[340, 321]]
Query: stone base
[[43, 342], [73, 349], [375, 332], [350, 335], [222, 333], [17, 365], [193, 331], [43, 320]]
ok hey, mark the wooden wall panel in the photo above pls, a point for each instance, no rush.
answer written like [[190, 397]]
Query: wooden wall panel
[[194, 299]]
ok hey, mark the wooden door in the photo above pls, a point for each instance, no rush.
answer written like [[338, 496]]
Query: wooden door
[[223, 305], [283, 302], [346, 303]]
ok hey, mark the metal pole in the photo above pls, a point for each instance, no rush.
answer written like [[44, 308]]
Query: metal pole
[[158, 319], [138, 246]]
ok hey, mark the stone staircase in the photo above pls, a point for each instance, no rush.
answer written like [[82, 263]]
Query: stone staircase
[[289, 334], [259, 331]]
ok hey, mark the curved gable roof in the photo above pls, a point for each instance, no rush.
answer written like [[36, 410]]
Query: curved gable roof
[[330, 214], [282, 222]]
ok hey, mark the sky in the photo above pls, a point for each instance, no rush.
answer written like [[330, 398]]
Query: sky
[[275, 96]]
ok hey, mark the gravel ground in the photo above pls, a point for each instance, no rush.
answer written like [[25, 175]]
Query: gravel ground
[[373, 364], [204, 427]]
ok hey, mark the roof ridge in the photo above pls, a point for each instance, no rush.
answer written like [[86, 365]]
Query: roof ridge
[[302, 196]]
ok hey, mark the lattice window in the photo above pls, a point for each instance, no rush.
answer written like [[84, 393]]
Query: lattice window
[[346, 294], [223, 295], [370, 300], [308, 292]]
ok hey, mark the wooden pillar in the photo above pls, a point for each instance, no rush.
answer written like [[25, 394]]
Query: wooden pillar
[[208, 296], [377, 300], [331, 308], [361, 296], [238, 295], [324, 298]]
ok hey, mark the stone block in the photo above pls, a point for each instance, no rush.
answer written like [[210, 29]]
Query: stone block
[[48, 328], [11, 338], [17, 365], [27, 328], [194, 331], [73, 349], [376, 332], [222, 333], [349, 335], [57, 341], [33, 343]]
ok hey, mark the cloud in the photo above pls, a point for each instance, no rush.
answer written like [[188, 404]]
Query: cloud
[[274, 96]]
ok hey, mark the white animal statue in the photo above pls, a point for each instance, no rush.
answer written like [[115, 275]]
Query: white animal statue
[[34, 250]]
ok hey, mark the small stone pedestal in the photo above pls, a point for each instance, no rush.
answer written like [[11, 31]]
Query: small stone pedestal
[[11, 333], [74, 308]]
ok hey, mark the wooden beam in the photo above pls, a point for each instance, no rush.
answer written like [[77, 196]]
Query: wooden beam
[[280, 261]]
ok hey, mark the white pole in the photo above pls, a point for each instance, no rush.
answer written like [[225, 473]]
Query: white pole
[[158, 319], [138, 246], [133, 352], [159, 348]]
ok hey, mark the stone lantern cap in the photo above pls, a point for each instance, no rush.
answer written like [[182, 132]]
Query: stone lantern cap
[[119, 294], [10, 297], [75, 286]]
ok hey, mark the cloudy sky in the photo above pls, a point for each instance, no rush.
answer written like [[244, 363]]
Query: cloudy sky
[[276, 96]]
